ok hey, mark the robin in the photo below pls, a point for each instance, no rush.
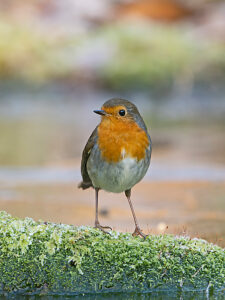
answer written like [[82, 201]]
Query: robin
[[117, 154]]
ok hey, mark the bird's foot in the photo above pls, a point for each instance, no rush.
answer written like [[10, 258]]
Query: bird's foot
[[138, 231], [102, 228]]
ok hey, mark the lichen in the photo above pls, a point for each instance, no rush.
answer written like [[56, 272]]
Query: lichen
[[40, 257]]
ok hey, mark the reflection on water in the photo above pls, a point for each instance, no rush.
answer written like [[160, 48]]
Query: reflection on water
[[132, 296]]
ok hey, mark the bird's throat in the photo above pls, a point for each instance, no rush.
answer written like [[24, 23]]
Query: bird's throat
[[119, 139]]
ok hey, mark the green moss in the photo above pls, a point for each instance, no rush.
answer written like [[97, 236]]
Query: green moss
[[37, 257]]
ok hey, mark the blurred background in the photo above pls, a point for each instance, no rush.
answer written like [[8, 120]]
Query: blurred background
[[60, 60]]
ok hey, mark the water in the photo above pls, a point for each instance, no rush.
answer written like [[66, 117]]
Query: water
[[124, 296]]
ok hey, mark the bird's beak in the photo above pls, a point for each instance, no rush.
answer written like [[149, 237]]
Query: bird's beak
[[100, 112]]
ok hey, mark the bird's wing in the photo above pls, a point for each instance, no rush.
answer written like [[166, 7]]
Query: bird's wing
[[86, 183]]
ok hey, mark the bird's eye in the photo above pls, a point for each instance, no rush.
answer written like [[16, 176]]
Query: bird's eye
[[122, 112]]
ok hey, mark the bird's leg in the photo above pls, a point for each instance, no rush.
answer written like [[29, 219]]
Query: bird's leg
[[97, 224], [137, 230]]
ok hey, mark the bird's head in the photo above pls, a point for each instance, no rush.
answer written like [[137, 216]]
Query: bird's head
[[118, 109]]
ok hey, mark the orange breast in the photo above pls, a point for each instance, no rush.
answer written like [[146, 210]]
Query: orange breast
[[120, 139]]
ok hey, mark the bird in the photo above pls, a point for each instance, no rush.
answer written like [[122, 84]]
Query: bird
[[117, 154]]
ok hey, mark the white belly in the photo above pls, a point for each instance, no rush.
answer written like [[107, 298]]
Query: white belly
[[117, 177]]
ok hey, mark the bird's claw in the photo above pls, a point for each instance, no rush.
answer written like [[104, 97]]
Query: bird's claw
[[102, 228], [138, 231]]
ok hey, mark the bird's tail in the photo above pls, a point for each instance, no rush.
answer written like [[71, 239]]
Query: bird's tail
[[84, 185]]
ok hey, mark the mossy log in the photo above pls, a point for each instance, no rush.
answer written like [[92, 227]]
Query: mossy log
[[48, 258]]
